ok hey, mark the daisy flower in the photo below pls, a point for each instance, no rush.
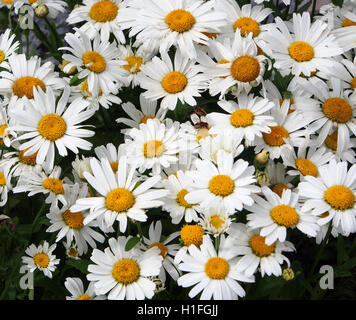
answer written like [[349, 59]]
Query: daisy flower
[[8, 46], [305, 48], [124, 274], [112, 153], [5, 182], [52, 7], [178, 23], [41, 258], [95, 61], [80, 165], [148, 111], [47, 125], [175, 81], [154, 145], [5, 131], [275, 215], [242, 66], [76, 288], [214, 274], [215, 220], [70, 224], [247, 117], [334, 191], [100, 18], [167, 251], [229, 184], [119, 197], [350, 74], [25, 75], [177, 184], [256, 254], [278, 180]]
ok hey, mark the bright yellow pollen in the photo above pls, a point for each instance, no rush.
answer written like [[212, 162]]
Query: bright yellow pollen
[[24, 86], [52, 127], [133, 62], [85, 88], [7, 1], [114, 166], [180, 20], [337, 109], [216, 222], [306, 167], [180, 199], [94, 61], [174, 82], [246, 26], [242, 118], [222, 61], [32, 1], [2, 132], [84, 297], [119, 200], [278, 188], [217, 268], [284, 215], [245, 69], [41, 260], [2, 56], [301, 51], [29, 160], [103, 11], [192, 234], [348, 23], [353, 83], [2, 179], [54, 185], [275, 137], [73, 220], [145, 118], [339, 197], [153, 148], [259, 246], [161, 247], [210, 35], [331, 141], [221, 185], [126, 271]]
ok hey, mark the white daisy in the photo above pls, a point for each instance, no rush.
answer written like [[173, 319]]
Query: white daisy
[[124, 274], [80, 165], [6, 134], [278, 180], [229, 184], [215, 220], [112, 153], [334, 191], [5, 182], [76, 288], [276, 215], [214, 274], [175, 81], [119, 197], [350, 73], [8, 46], [41, 258]]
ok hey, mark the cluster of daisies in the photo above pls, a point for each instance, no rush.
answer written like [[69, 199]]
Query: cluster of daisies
[[197, 175]]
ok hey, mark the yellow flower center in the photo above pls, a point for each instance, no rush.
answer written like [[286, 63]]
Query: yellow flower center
[[84, 297], [153, 148], [29, 160], [161, 247], [145, 118], [259, 246], [103, 11], [2, 179], [32, 1], [222, 61], [216, 222], [242, 118], [210, 35], [353, 83], [278, 188], [52, 127], [180, 20], [245, 69], [41, 260], [119, 200], [73, 220], [348, 23], [85, 88], [339, 197], [337, 109], [221, 185], [54, 185], [2, 56], [2, 132], [174, 82], [217, 268], [306, 167], [180, 199], [331, 141], [284, 215], [291, 102], [246, 26], [301, 51], [114, 166], [7, 1], [126, 271], [192, 234], [72, 252], [94, 61], [133, 62], [275, 137], [24, 86]]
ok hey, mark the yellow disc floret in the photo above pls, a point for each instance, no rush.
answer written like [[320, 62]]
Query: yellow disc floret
[[2, 56], [339, 197], [180, 20], [192, 234], [306, 167], [103, 11], [73, 220], [2, 179], [348, 23], [221, 185], [126, 271], [180, 199], [84, 297], [284, 215], [24, 86], [337, 109], [245, 69], [259, 247], [41, 260], [163, 249], [153, 148], [52, 127], [119, 200], [217, 268], [134, 64], [353, 83], [276, 137], [278, 188], [216, 222], [94, 61], [331, 141], [145, 118], [242, 118], [246, 26], [53, 184], [174, 82], [301, 51]]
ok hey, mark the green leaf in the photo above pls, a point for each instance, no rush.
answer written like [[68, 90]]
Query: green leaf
[[81, 265], [131, 243]]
